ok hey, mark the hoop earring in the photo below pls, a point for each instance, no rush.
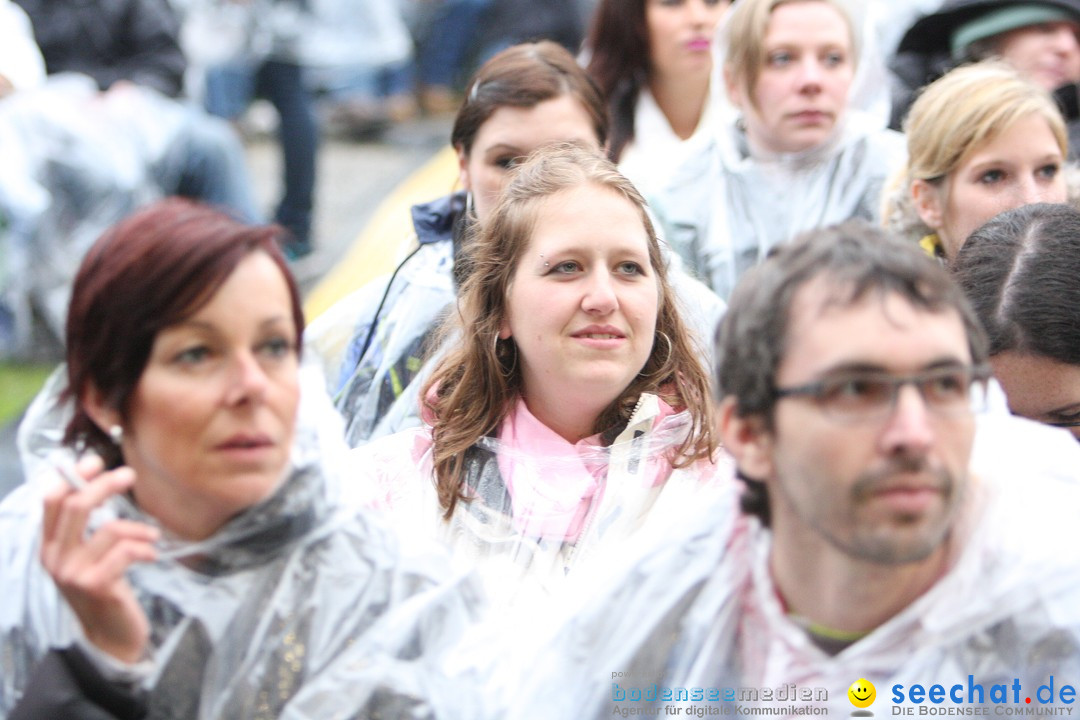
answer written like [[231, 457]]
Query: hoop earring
[[495, 347], [660, 366], [670, 347], [116, 434], [470, 210]]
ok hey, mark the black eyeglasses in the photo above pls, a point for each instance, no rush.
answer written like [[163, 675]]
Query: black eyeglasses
[[867, 396]]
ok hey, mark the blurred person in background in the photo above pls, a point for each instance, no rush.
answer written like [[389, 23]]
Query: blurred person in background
[[131, 47], [269, 65], [1039, 38], [652, 60], [981, 140]]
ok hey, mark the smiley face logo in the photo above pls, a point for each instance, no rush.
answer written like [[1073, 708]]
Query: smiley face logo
[[862, 693]]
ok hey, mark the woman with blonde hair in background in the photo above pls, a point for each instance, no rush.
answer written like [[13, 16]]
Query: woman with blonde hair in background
[[800, 139], [981, 140]]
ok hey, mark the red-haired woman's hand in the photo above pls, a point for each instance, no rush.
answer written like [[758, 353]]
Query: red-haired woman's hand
[[90, 571]]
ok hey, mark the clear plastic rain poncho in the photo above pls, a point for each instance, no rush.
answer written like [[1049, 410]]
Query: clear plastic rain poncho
[[297, 608], [725, 209], [537, 504], [374, 373], [696, 607]]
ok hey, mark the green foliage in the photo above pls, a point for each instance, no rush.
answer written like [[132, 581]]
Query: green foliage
[[18, 385]]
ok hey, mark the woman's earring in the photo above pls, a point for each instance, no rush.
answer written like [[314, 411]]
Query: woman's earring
[[116, 434], [510, 348], [670, 348]]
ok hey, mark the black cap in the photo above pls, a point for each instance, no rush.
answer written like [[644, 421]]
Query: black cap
[[933, 33]]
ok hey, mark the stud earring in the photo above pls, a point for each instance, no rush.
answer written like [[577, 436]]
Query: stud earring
[[116, 434]]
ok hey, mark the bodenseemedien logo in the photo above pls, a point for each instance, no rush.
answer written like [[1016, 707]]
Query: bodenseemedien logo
[[784, 701], [862, 694]]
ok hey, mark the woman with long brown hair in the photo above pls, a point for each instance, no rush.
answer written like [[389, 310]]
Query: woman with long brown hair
[[571, 399], [375, 343]]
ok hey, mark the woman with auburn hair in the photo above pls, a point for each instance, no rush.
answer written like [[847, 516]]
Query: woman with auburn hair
[[652, 60], [184, 552], [800, 140], [594, 407], [981, 140]]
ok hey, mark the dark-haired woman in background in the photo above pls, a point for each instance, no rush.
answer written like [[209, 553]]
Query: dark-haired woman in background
[[1019, 271], [652, 60]]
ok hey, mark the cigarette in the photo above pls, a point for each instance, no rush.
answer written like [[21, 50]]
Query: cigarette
[[165, 550], [71, 477], [76, 482]]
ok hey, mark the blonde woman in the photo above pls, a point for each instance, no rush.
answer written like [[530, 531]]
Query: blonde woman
[[981, 140], [800, 140]]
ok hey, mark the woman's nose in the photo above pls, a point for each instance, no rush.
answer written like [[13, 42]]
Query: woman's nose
[[248, 381], [600, 296]]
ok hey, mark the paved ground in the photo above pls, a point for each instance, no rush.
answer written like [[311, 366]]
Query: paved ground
[[354, 177]]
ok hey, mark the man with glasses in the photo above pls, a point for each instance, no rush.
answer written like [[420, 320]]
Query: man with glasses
[[873, 541]]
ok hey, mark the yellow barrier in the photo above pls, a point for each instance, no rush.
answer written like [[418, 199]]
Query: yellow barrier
[[387, 237]]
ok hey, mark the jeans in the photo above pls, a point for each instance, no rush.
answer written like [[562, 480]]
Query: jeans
[[454, 30], [229, 91]]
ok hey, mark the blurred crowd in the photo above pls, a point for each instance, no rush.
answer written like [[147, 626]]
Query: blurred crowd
[[108, 107], [134, 90], [739, 356]]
